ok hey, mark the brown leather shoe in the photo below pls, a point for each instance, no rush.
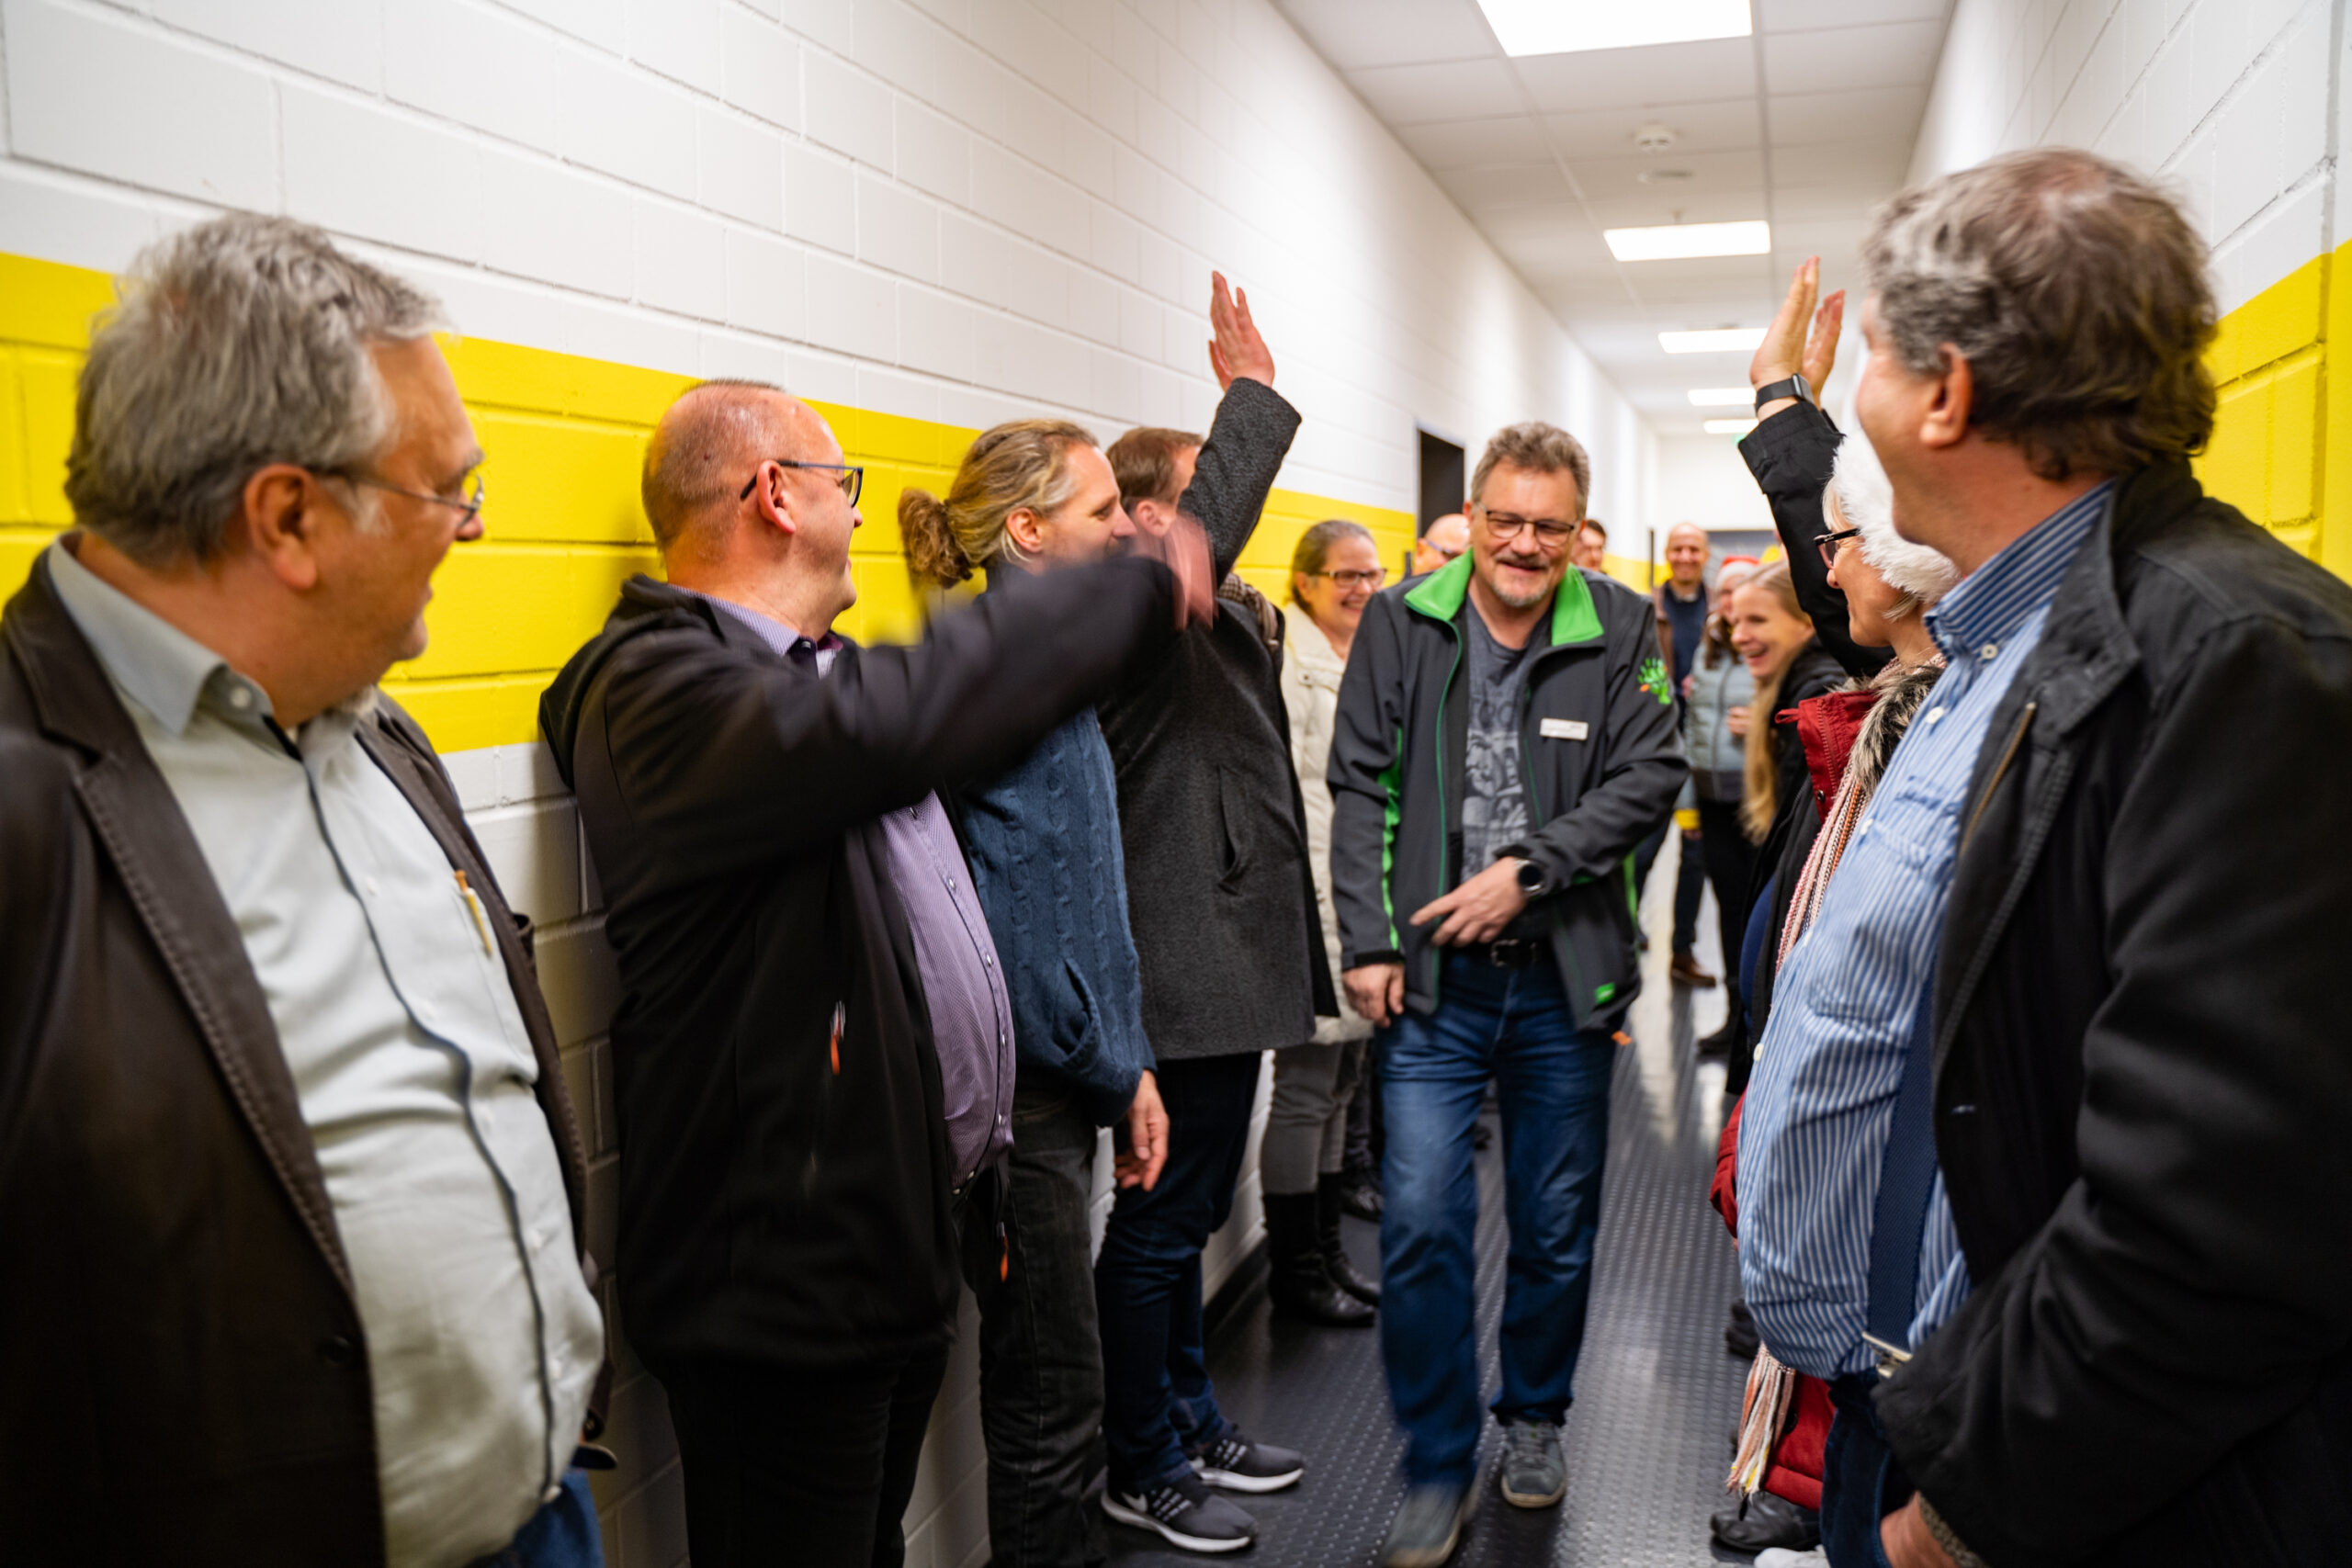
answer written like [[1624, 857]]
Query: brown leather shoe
[[1685, 971]]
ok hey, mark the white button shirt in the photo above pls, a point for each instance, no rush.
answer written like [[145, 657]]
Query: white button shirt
[[415, 1075]]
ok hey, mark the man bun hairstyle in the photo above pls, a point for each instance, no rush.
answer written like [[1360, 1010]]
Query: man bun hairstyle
[[1022, 463], [1144, 461], [1315, 547], [1539, 449], [2076, 290], [239, 343]]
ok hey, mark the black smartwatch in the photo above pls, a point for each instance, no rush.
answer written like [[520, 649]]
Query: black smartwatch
[[1795, 386], [1531, 880]]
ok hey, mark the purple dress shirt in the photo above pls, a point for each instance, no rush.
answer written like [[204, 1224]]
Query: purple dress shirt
[[971, 1013]]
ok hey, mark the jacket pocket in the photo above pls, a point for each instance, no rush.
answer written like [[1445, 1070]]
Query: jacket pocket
[[1233, 833], [1596, 932], [1077, 1027]]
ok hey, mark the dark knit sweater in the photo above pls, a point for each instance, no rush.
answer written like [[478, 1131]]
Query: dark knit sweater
[[1042, 843]]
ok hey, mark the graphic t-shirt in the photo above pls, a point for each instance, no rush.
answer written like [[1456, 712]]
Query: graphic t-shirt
[[1494, 802]]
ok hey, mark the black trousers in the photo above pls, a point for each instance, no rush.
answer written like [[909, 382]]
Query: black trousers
[[1041, 1358], [1730, 861], [813, 1467], [1688, 884]]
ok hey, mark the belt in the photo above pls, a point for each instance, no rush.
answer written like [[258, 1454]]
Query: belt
[[1510, 952]]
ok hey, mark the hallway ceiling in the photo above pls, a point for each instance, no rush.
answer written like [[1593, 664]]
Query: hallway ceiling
[[1806, 124]]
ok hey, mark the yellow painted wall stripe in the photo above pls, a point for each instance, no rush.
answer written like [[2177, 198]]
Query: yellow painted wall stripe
[[565, 435]]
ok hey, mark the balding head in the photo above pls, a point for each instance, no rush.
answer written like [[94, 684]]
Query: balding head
[[703, 450], [1686, 556], [1443, 539]]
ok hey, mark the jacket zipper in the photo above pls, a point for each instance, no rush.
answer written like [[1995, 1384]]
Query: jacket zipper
[[1577, 1008], [1437, 967]]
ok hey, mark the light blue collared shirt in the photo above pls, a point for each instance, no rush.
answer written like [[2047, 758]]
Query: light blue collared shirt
[[414, 1073], [1820, 1109]]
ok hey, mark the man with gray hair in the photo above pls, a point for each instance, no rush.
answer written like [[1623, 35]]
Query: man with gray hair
[[1505, 736], [289, 1189], [2042, 1164]]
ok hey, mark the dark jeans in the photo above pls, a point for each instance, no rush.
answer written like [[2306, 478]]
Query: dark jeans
[[1041, 1360], [1861, 1482], [1513, 1026], [807, 1466], [562, 1534], [1689, 884], [1157, 1398]]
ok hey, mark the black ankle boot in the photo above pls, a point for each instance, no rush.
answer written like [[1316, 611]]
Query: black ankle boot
[[1330, 1199], [1298, 1285]]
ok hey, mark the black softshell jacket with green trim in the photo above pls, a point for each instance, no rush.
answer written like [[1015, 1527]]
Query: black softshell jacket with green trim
[[1597, 740]]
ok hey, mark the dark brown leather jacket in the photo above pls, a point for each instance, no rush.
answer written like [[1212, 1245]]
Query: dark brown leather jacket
[[183, 1373]]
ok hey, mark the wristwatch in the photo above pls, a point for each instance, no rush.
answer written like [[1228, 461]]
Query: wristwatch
[[1531, 880], [1795, 386]]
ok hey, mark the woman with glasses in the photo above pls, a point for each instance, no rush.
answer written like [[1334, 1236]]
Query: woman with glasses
[[1334, 573]]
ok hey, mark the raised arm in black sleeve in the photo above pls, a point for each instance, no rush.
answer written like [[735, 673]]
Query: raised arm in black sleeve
[[1236, 467], [1791, 455]]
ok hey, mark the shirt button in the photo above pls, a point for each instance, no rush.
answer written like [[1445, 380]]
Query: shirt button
[[372, 889], [240, 698], [951, 884], [1990, 650], [1934, 714], [988, 958]]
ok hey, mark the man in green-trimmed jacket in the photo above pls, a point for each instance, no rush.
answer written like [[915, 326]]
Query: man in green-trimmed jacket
[[1505, 738]]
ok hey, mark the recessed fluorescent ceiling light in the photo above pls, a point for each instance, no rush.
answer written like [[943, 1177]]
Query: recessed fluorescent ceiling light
[[1677, 242], [1721, 396], [1730, 427], [1571, 26], [1720, 340]]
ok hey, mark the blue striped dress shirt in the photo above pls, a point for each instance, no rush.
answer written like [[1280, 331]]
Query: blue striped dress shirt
[[1821, 1106]]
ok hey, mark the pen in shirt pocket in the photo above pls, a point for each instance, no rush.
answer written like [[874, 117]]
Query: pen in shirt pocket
[[473, 908]]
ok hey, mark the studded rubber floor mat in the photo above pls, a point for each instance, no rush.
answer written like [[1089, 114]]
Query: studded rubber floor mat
[[1647, 1441]]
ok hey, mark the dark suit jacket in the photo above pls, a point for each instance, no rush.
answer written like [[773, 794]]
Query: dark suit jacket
[[183, 1373]]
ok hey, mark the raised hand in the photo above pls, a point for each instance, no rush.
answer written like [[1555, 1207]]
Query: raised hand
[[1236, 349], [1184, 550], [1788, 347]]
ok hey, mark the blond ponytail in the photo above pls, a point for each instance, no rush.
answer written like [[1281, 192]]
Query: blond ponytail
[[1023, 464]]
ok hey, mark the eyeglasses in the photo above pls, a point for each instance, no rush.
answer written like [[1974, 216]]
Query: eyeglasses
[[470, 503], [851, 476], [1505, 527], [1827, 543], [1350, 581]]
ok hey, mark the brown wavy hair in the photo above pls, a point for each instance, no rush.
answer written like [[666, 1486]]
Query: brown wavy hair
[[1023, 463]]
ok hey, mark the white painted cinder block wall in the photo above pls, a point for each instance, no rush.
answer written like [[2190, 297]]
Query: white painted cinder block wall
[[2236, 102], [954, 209]]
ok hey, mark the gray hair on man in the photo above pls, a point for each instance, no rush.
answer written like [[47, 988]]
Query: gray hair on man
[[2077, 292], [1539, 449], [237, 343], [1860, 493]]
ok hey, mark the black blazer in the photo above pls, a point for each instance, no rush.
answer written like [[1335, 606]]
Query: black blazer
[[2143, 1069], [183, 1373], [785, 1174]]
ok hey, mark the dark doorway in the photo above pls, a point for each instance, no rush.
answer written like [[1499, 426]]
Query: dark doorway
[[1443, 480]]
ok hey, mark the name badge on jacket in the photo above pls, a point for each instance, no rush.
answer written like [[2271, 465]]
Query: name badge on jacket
[[1564, 730]]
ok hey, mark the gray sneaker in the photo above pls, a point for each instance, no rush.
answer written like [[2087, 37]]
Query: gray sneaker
[[1428, 1526], [1533, 1474]]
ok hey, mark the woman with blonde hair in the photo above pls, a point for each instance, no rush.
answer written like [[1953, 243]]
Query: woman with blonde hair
[[1042, 838]]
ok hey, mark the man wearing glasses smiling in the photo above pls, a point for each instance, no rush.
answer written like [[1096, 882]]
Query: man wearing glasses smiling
[[1505, 736]]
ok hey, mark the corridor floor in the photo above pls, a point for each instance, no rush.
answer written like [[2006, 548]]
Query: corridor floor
[[1656, 1393]]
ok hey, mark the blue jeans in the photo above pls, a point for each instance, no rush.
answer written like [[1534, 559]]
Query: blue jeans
[[1512, 1025], [1156, 1400], [562, 1534], [1861, 1482]]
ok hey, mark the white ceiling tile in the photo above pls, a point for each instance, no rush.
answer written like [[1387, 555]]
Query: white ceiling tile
[[1893, 55], [1660, 75], [1458, 89], [1697, 207], [1791, 16], [1843, 163], [1508, 185], [1726, 125], [1865, 114], [1846, 198], [1712, 175], [1460, 143], [1355, 33]]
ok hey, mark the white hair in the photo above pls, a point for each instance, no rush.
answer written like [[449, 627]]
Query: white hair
[[1863, 494]]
